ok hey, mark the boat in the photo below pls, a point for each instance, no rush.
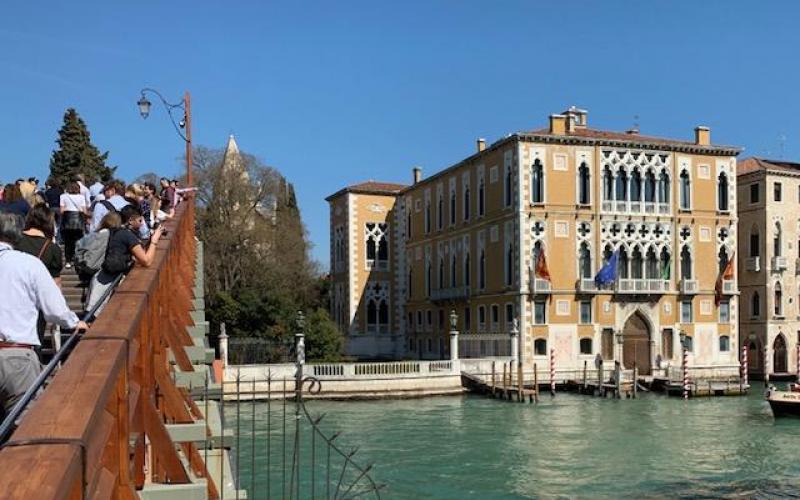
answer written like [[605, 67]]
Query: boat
[[784, 403]]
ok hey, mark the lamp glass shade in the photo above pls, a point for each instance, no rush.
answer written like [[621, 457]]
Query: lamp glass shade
[[144, 106], [453, 320]]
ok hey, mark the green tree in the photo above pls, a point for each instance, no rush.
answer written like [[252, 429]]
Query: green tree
[[76, 154], [323, 339]]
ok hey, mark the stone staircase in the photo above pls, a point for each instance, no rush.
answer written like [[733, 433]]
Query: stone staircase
[[72, 289]]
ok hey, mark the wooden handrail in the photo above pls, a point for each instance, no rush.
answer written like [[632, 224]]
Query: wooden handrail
[[84, 436]]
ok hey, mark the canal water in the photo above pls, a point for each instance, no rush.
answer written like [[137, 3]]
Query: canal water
[[570, 446]]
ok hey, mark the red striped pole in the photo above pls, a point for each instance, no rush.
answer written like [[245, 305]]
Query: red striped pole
[[744, 365], [552, 372], [798, 362], [685, 366]]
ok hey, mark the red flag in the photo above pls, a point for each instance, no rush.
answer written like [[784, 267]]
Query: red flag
[[541, 270], [725, 275]]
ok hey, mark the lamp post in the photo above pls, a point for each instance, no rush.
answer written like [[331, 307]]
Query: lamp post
[[684, 365], [453, 335], [183, 126]]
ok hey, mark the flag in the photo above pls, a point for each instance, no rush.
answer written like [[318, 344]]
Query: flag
[[541, 271], [667, 269], [608, 273], [724, 275]]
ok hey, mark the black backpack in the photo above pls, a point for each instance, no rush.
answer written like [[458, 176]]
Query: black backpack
[[116, 262]]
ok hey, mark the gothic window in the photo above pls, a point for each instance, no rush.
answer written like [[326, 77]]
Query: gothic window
[[685, 190], [724, 343], [452, 270], [409, 234], [608, 184], [466, 203], [585, 261], [481, 197], [440, 213], [755, 244], [584, 185], [537, 182], [377, 298], [482, 271], [410, 282], [509, 264], [665, 264], [722, 192], [663, 186], [636, 264], [649, 187], [508, 188], [428, 279], [755, 305], [652, 264], [623, 263], [636, 185], [776, 240], [452, 208], [778, 299], [441, 272], [377, 245], [622, 186], [686, 263], [427, 216], [467, 270]]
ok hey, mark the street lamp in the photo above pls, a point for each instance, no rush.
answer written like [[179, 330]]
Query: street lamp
[[183, 126], [453, 319]]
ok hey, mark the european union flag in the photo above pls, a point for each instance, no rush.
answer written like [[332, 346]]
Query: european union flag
[[608, 273]]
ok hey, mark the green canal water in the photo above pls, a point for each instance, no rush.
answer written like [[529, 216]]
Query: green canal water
[[570, 446]]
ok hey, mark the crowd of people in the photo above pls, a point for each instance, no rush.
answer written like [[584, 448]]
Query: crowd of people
[[104, 227]]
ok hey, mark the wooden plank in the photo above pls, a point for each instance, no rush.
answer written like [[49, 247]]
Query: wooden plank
[[162, 445], [104, 487], [174, 406], [48, 471], [177, 349]]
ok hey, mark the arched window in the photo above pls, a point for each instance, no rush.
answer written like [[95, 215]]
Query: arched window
[[452, 207], [372, 315], [428, 279], [623, 263], [636, 185], [622, 186], [722, 192], [636, 264], [608, 184], [778, 299], [508, 188], [586, 346], [584, 185], [724, 343], [685, 190], [649, 187], [585, 261], [466, 203], [663, 187], [776, 240], [540, 347], [652, 264], [427, 216], [509, 264], [452, 270], [482, 270], [383, 316], [755, 305], [440, 213], [666, 271], [686, 263], [441, 272], [481, 197], [377, 245], [467, 270], [371, 253], [383, 250], [537, 182], [755, 244], [410, 282]]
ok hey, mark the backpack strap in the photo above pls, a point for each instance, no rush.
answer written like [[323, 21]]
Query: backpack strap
[[44, 247]]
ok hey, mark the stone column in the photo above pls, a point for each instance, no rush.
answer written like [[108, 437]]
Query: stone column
[[514, 342]]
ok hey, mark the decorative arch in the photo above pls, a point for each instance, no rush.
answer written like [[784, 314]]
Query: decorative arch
[[636, 334], [780, 355]]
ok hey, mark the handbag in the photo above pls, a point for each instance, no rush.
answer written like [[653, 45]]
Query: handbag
[[73, 220]]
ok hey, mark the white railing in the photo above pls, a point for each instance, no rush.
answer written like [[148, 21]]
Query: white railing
[[621, 206], [753, 264], [459, 292], [636, 206], [586, 285], [539, 285], [779, 263], [440, 366], [327, 370], [378, 265], [608, 205], [649, 207], [641, 285], [663, 208], [689, 287]]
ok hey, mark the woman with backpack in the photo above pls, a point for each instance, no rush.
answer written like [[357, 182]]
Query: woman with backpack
[[73, 220], [124, 248]]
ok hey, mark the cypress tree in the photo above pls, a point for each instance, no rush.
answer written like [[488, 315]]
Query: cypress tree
[[76, 154]]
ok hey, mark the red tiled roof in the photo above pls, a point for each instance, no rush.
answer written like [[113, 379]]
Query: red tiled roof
[[590, 133], [753, 164], [370, 187]]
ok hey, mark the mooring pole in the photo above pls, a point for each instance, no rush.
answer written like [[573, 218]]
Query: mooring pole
[[535, 384], [552, 372], [585, 382], [744, 374], [618, 379], [685, 369]]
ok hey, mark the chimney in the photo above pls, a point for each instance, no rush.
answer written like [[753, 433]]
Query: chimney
[[481, 144], [702, 136], [576, 118], [558, 124], [417, 174]]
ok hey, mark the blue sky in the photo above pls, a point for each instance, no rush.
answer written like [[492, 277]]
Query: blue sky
[[333, 93]]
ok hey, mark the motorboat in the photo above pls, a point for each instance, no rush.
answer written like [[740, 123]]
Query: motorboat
[[784, 403]]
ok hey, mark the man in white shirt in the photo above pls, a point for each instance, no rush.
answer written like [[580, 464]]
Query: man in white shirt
[[27, 289], [81, 179], [96, 190], [112, 199]]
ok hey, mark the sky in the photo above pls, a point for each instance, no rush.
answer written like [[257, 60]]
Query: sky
[[335, 93]]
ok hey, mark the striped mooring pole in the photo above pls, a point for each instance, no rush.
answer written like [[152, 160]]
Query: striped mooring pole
[[744, 365], [552, 372], [798, 362], [685, 366]]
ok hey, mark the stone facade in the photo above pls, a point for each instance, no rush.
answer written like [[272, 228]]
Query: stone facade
[[467, 239]]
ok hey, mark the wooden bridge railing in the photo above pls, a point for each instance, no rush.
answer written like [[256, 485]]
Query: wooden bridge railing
[[84, 437]]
